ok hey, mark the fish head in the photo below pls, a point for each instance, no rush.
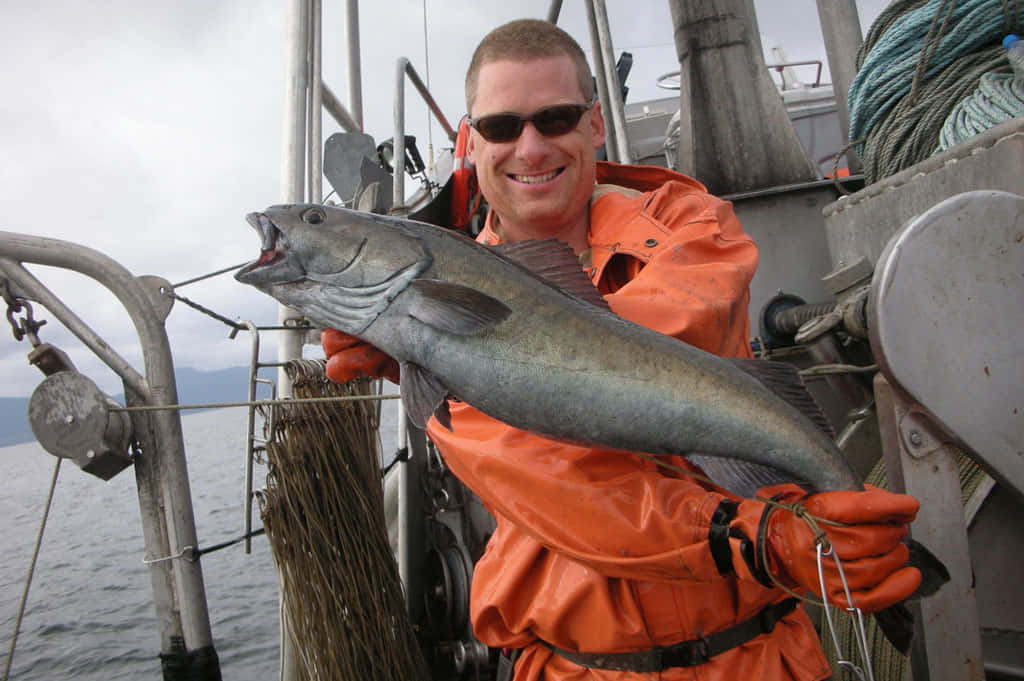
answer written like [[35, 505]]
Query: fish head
[[339, 267]]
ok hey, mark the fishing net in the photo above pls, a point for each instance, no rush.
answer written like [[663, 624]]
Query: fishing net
[[323, 510]]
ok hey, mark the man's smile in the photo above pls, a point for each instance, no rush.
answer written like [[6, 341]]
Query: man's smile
[[536, 179]]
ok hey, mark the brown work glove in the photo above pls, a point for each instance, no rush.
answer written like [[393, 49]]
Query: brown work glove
[[349, 358], [868, 543]]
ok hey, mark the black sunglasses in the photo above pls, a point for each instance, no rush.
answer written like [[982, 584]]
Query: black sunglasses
[[550, 122]]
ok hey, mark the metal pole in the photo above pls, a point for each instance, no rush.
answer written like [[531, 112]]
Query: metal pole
[[355, 82], [338, 111], [293, 138], [250, 435], [554, 9], [840, 27], [618, 111], [398, 162], [421, 87], [316, 159], [611, 147]]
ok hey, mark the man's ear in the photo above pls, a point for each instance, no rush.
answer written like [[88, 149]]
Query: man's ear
[[597, 125], [471, 147]]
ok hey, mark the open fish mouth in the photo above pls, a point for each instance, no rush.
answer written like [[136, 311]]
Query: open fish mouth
[[273, 242]]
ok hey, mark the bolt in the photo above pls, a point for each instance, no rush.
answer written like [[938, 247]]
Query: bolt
[[90, 454], [915, 438], [69, 419]]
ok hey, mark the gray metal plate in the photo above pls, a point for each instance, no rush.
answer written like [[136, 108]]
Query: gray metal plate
[[946, 311], [343, 157]]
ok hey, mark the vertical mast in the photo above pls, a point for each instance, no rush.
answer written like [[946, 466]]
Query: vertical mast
[[735, 134]]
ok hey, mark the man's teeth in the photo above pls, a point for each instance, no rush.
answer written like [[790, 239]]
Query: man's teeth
[[536, 179]]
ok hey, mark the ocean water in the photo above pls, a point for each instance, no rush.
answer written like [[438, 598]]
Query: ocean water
[[90, 613]]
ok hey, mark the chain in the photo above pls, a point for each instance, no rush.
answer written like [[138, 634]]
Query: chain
[[27, 325]]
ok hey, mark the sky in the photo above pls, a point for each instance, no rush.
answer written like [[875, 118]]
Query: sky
[[147, 131]]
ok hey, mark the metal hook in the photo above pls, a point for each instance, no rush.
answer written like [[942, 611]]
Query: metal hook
[[27, 325], [858, 616]]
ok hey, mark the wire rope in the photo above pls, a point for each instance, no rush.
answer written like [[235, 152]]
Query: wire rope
[[31, 571]]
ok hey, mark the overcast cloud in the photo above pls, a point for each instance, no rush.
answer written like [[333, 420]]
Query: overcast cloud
[[146, 131]]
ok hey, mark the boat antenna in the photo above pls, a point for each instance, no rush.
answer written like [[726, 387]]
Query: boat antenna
[[426, 67]]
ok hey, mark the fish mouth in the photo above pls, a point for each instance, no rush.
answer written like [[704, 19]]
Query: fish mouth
[[273, 243]]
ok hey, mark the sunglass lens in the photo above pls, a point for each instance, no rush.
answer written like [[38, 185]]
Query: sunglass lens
[[500, 128], [558, 120]]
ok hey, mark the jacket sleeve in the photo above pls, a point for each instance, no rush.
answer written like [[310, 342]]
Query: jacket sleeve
[[619, 514]]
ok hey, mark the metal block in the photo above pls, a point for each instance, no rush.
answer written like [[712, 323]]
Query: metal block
[[862, 224], [945, 313], [72, 419]]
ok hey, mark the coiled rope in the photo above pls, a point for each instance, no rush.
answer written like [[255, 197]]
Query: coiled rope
[[998, 98], [920, 59]]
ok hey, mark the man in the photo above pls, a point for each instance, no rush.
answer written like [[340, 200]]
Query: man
[[598, 558]]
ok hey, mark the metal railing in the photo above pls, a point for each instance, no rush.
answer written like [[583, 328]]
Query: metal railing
[[165, 500]]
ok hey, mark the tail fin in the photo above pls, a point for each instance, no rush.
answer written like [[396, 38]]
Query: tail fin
[[896, 622]]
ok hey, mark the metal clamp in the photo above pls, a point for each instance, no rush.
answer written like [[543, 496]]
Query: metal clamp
[[189, 553]]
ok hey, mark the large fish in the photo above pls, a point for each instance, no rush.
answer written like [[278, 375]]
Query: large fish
[[519, 332]]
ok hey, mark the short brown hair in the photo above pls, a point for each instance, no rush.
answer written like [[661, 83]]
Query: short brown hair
[[525, 40]]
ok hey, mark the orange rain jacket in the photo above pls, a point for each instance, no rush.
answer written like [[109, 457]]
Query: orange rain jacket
[[598, 551]]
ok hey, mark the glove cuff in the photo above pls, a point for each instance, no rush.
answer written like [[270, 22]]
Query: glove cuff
[[752, 552], [728, 537], [718, 536]]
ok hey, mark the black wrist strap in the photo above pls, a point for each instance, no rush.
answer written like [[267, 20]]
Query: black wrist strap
[[718, 536]]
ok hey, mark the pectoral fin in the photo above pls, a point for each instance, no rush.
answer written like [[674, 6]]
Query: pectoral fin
[[423, 395], [455, 309]]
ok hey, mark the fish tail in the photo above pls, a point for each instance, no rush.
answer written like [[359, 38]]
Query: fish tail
[[897, 622]]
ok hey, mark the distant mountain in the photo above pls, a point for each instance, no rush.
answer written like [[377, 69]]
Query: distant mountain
[[194, 387]]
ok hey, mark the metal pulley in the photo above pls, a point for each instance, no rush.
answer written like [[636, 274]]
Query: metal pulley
[[73, 419]]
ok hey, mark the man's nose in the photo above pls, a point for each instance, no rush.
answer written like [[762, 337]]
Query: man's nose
[[531, 145]]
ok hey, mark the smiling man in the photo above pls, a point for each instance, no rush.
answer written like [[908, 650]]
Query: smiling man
[[537, 185], [606, 566]]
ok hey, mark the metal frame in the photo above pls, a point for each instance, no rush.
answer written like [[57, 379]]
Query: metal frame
[[161, 473]]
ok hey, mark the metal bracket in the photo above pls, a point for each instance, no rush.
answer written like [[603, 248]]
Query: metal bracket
[[919, 436]]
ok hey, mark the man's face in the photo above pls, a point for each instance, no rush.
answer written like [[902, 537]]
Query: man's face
[[545, 182]]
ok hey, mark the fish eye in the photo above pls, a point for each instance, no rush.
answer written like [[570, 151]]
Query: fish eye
[[314, 216]]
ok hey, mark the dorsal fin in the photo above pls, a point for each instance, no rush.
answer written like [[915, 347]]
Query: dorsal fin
[[554, 261], [784, 380]]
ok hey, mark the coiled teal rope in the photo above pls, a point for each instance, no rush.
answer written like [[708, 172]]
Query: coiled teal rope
[[920, 59], [998, 98]]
